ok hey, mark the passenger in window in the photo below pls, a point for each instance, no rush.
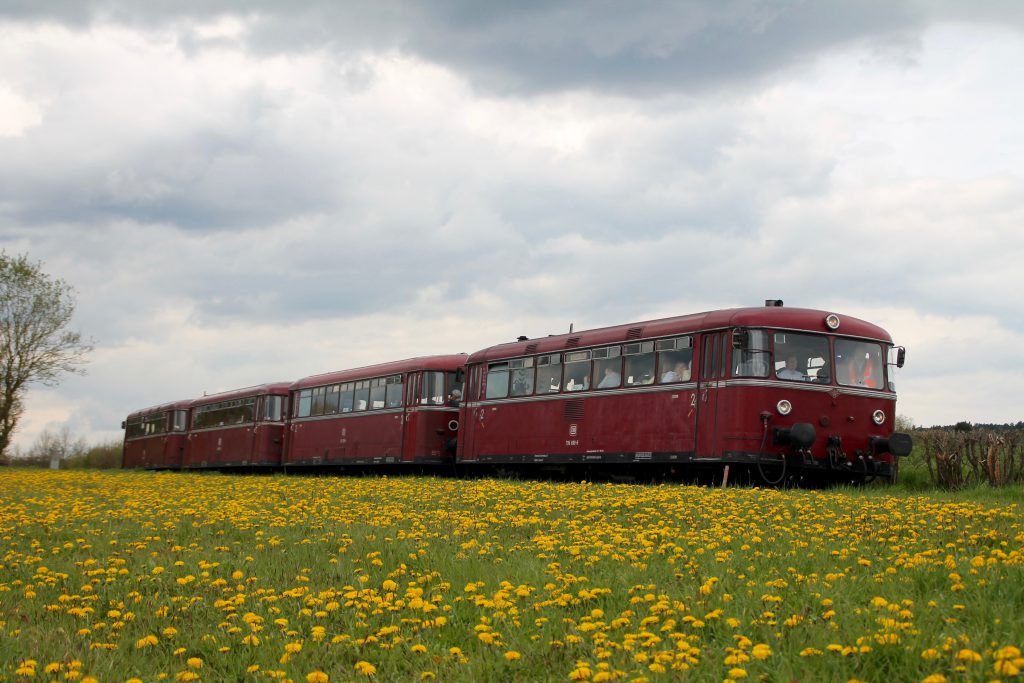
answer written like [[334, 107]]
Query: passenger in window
[[611, 379], [872, 373], [790, 371], [455, 398], [679, 373], [580, 385], [864, 371], [824, 374]]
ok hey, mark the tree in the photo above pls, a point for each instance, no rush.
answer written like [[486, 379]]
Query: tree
[[36, 345], [903, 423], [51, 447]]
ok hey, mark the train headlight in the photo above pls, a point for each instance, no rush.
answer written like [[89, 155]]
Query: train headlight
[[878, 416], [832, 321], [784, 407]]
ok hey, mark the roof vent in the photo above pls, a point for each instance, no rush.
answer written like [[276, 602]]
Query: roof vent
[[773, 303], [522, 337]]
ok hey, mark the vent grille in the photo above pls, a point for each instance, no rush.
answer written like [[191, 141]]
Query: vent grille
[[572, 342], [530, 348], [574, 409], [634, 333]]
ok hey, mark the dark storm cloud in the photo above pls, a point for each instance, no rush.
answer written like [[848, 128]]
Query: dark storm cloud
[[640, 48]]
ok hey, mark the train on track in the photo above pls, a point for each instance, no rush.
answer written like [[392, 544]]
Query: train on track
[[771, 394]]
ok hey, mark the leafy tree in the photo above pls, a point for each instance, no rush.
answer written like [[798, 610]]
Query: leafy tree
[[904, 423], [36, 345]]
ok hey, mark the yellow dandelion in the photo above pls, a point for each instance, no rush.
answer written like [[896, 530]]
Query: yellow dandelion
[[146, 641], [317, 677], [512, 655], [365, 668]]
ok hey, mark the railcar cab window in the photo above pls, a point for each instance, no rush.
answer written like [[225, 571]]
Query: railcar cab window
[[801, 357], [273, 408], [393, 391], [521, 376], [497, 380], [576, 376], [305, 402], [549, 373], [432, 389], [455, 389], [859, 364], [750, 355], [179, 421], [147, 425], [639, 363], [607, 368], [675, 357]]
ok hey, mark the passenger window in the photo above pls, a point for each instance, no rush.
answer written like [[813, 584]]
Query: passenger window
[[331, 399], [639, 363], [497, 380], [378, 388], [318, 401], [362, 395], [675, 358], [345, 400], [522, 376], [607, 368], [576, 376], [549, 373]]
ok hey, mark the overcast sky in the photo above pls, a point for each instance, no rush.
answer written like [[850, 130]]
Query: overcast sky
[[251, 192]]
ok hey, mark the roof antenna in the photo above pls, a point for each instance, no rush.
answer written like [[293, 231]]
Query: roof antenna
[[570, 328]]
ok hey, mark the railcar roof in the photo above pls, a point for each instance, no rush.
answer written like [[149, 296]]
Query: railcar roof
[[163, 407], [444, 362], [804, 319], [276, 388]]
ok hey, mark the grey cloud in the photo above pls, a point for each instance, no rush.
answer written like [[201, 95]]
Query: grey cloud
[[637, 48]]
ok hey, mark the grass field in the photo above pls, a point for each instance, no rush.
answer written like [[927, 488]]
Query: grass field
[[139, 576]]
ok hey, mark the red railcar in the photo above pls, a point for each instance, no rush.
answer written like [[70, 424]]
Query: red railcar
[[393, 413], [780, 392], [241, 428], [155, 438]]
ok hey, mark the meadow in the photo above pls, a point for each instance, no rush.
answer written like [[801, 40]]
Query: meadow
[[137, 576]]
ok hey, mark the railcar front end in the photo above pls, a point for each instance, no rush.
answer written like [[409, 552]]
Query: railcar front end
[[775, 394], [155, 438], [808, 394]]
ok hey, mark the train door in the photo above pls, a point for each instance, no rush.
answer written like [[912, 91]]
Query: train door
[[411, 417], [470, 416], [712, 373]]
